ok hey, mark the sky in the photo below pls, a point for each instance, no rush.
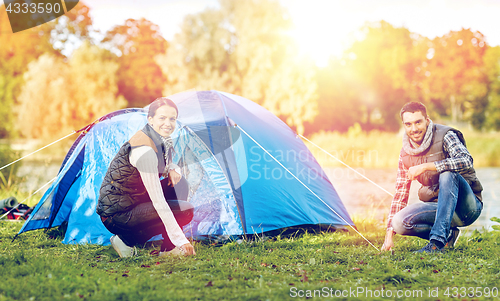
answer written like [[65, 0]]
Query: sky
[[317, 21]]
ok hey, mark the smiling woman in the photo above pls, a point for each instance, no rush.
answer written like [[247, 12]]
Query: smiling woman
[[143, 193], [163, 119]]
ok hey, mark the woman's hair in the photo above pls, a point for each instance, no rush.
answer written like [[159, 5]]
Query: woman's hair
[[159, 102]]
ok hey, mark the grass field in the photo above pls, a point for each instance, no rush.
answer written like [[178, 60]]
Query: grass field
[[36, 266]]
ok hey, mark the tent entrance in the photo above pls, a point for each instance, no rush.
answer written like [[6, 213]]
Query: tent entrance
[[216, 212]]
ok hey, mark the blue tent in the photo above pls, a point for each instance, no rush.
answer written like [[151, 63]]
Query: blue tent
[[248, 172]]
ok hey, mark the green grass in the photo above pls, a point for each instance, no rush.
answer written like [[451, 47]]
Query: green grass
[[36, 266], [381, 149]]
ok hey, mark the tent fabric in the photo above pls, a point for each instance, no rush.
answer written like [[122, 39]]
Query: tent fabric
[[236, 185]]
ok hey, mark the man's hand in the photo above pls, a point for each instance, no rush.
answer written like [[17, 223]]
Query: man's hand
[[188, 249], [417, 170], [173, 178], [388, 243]]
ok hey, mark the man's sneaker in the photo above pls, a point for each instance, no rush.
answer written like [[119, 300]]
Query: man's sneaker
[[176, 252], [121, 248], [452, 239], [430, 248]]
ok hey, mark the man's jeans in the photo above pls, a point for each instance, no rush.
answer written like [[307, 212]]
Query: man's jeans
[[457, 206]]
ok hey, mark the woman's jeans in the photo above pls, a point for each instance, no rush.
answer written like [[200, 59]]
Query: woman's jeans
[[457, 206], [142, 222]]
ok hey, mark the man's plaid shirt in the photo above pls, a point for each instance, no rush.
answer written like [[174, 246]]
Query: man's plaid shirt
[[459, 159]]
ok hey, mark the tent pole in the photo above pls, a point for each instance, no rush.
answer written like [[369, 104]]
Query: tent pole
[[307, 187]]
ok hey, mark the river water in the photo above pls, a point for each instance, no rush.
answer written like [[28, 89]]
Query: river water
[[361, 198], [364, 199]]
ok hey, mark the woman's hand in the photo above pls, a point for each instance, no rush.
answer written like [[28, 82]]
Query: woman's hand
[[173, 178], [188, 249]]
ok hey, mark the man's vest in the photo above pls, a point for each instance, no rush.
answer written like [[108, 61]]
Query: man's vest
[[122, 187], [435, 152]]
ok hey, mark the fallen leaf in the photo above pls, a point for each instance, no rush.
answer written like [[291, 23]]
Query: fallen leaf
[[356, 269], [154, 252], [304, 277], [145, 266], [209, 284], [263, 264], [124, 275]]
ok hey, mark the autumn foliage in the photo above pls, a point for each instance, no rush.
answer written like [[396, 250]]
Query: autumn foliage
[[57, 77]]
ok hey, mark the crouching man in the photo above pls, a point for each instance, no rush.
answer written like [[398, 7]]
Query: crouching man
[[436, 156]]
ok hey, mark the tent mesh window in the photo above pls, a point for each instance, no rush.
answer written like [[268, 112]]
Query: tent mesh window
[[45, 210], [203, 195]]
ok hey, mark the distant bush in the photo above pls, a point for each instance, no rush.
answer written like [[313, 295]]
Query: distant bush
[[7, 155]]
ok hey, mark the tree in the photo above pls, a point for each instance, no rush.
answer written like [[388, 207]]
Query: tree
[[386, 65], [16, 51], [19, 49], [60, 97], [71, 29], [339, 105], [242, 48], [137, 42], [456, 76], [492, 112]]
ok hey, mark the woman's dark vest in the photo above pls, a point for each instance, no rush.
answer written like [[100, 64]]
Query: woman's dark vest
[[122, 187], [435, 152]]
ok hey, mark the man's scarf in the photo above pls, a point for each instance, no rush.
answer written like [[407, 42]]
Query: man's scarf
[[411, 148]]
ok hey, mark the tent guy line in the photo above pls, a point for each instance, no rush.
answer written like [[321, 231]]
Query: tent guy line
[[306, 186], [346, 165], [74, 132]]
